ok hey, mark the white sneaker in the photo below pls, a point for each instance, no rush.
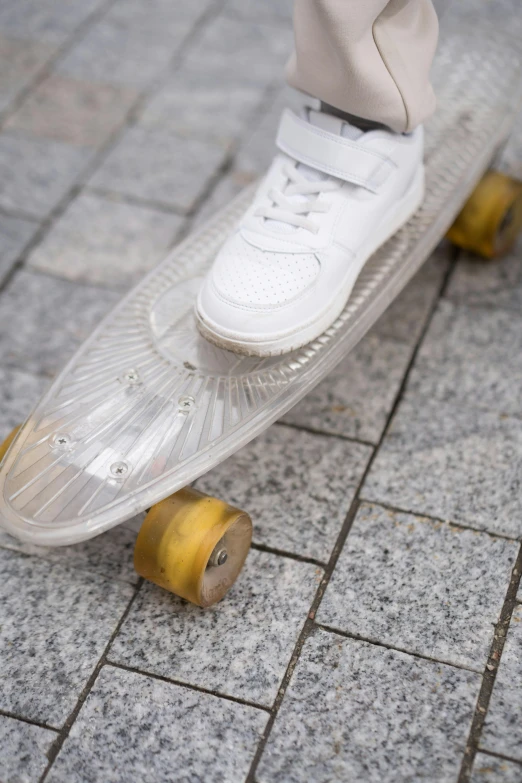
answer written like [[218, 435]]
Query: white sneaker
[[329, 200]]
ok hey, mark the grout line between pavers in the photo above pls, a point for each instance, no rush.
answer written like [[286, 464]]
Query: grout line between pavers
[[490, 672], [188, 685], [102, 151], [85, 569], [30, 721], [138, 201], [502, 756], [309, 624], [267, 97], [66, 728], [312, 431], [269, 21], [272, 550], [387, 646], [440, 520], [70, 41]]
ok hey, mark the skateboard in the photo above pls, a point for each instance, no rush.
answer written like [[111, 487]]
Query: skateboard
[[146, 405]]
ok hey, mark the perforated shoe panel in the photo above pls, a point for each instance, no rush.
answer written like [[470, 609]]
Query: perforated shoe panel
[[253, 277]]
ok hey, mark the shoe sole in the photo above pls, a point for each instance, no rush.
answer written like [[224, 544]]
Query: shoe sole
[[287, 342]]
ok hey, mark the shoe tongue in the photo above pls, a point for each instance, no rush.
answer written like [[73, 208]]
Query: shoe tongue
[[328, 123]]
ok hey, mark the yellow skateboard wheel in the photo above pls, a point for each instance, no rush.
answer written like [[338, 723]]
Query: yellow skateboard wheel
[[491, 219], [4, 447], [193, 545]]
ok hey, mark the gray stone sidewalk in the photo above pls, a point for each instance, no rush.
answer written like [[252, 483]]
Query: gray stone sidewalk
[[376, 631]]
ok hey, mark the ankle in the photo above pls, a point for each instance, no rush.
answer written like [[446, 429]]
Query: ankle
[[359, 122]]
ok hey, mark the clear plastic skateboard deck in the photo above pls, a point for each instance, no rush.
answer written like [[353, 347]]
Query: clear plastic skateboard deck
[[147, 405]]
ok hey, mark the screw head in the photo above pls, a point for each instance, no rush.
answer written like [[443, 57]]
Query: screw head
[[186, 402], [61, 440], [132, 377], [119, 469]]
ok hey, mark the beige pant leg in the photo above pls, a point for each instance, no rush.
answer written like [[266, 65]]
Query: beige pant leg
[[370, 58]]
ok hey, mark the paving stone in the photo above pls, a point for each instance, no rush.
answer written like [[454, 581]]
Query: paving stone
[[20, 61], [261, 9], [109, 555], [43, 320], [160, 167], [406, 316], [50, 21], [215, 94], [253, 157], [451, 462], [488, 769], [353, 711], [20, 391], [502, 732], [57, 621], [489, 283], [473, 357], [133, 42], [422, 586], [258, 149], [15, 233], [106, 242], [77, 112], [356, 398], [137, 728], [23, 750], [227, 188], [241, 647], [35, 174], [297, 486]]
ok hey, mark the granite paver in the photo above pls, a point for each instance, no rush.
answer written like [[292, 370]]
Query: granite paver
[[471, 356], [488, 769], [109, 556], [354, 711], [240, 647], [15, 234], [76, 112], [452, 462], [63, 314], [297, 486], [136, 728], [20, 62], [503, 729], [105, 242], [356, 398], [23, 750], [497, 284], [20, 391], [261, 10], [160, 167], [212, 83], [422, 586], [56, 623], [35, 174], [133, 42], [49, 21]]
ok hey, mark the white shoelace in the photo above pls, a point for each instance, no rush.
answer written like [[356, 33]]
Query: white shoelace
[[292, 206]]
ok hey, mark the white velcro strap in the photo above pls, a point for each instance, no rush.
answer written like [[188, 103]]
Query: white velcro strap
[[334, 155]]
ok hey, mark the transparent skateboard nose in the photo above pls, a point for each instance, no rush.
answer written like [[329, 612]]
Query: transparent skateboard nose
[[147, 405]]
